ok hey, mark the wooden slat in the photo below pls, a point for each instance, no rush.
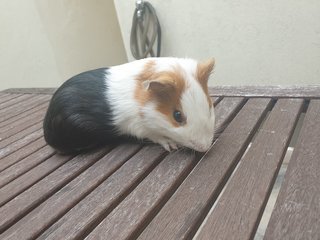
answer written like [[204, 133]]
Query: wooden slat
[[3, 95], [18, 155], [8, 96], [184, 211], [127, 220], [30, 90], [14, 101], [309, 91], [59, 203], [106, 196], [15, 134], [145, 201], [242, 203], [224, 111], [297, 210], [11, 107], [18, 117], [24, 133], [21, 124], [49, 184], [15, 143], [23, 182], [25, 165], [154, 200], [15, 110]]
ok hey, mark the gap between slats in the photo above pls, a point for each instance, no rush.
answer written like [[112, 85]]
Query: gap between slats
[[22, 124], [44, 160], [33, 160], [296, 132], [15, 143], [217, 100], [36, 174], [296, 212], [21, 153], [14, 101], [23, 114], [280, 177], [15, 110], [25, 210], [85, 161], [3, 96], [98, 219], [7, 97], [227, 117], [174, 224]]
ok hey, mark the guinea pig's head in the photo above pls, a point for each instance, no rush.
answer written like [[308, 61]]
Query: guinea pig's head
[[175, 101]]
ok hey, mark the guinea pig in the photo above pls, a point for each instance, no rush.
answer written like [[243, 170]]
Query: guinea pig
[[165, 100]]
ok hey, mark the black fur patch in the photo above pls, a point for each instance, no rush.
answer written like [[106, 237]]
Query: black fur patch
[[79, 115]]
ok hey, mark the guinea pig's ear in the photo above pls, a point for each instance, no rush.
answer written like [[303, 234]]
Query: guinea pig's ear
[[204, 69], [163, 90], [158, 86]]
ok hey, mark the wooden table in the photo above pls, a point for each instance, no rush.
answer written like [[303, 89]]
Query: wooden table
[[134, 191]]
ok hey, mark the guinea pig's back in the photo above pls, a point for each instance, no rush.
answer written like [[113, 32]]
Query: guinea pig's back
[[79, 115]]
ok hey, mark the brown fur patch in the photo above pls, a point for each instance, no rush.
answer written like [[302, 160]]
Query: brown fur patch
[[165, 88], [204, 70], [140, 94]]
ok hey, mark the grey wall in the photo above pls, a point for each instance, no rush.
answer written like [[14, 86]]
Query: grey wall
[[44, 42], [254, 42]]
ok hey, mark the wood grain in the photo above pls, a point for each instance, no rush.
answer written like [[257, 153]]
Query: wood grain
[[49, 211], [23, 123], [232, 106], [130, 217], [100, 202], [19, 135], [8, 122], [30, 90], [48, 185], [149, 194], [308, 91], [227, 109], [12, 144], [23, 182], [184, 211], [21, 153], [8, 96], [15, 110], [297, 210], [14, 101], [241, 205], [25, 165]]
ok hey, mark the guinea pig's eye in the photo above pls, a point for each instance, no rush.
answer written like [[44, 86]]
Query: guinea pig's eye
[[178, 116]]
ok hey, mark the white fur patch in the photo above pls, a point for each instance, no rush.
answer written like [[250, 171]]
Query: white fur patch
[[145, 121]]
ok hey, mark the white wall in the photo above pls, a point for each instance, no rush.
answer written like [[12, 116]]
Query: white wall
[[254, 42], [44, 42]]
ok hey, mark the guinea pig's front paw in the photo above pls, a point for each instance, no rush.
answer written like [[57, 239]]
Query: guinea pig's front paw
[[169, 146], [166, 144], [172, 146]]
